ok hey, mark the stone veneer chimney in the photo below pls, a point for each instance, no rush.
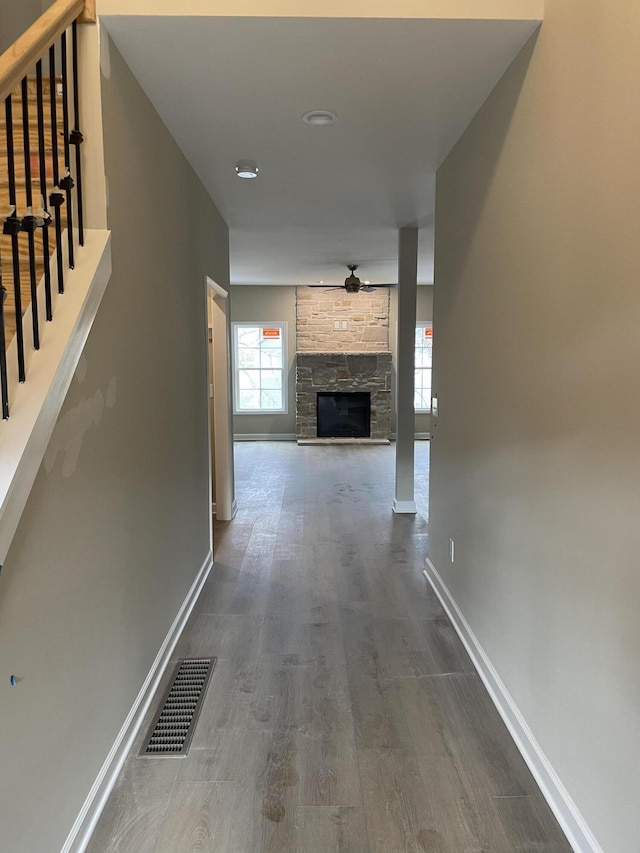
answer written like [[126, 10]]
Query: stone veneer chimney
[[355, 358], [366, 316]]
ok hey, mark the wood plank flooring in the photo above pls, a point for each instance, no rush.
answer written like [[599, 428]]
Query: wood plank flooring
[[344, 715]]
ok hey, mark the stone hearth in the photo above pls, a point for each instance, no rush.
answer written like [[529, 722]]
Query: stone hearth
[[342, 372]]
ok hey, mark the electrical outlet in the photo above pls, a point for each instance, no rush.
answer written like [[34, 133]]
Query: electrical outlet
[[452, 551]]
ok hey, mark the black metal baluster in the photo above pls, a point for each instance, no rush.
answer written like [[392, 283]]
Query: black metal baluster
[[12, 227], [67, 181], [29, 223], [76, 137], [43, 192], [56, 199], [4, 389]]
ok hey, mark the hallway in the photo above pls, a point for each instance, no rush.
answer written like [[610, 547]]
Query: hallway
[[343, 713]]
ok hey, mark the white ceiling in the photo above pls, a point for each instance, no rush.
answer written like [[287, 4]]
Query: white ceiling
[[236, 88]]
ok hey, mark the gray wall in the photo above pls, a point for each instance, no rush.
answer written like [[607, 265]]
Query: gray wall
[[16, 16], [534, 468], [268, 305], [109, 545]]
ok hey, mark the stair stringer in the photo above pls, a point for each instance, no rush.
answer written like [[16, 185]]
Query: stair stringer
[[35, 404]]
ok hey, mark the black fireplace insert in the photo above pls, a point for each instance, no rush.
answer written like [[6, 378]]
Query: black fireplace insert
[[344, 415]]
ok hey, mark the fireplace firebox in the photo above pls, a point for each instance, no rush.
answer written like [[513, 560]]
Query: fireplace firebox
[[344, 415]]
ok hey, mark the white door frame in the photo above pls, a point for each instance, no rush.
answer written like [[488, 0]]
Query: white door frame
[[225, 505]]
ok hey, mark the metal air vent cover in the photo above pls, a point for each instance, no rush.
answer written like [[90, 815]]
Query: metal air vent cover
[[172, 730]]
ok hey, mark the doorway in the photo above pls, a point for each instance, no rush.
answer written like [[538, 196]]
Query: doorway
[[223, 504]]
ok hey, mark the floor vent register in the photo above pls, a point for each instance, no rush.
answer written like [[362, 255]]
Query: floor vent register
[[172, 730]]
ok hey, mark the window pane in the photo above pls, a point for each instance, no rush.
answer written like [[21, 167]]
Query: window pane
[[421, 400], [248, 336], [249, 400], [271, 379], [248, 380], [271, 343], [271, 399], [248, 357], [270, 357]]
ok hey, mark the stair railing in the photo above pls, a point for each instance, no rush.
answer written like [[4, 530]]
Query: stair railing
[[40, 177]]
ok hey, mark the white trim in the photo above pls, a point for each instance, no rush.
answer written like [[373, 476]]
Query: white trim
[[264, 436], [423, 324], [418, 436], [404, 507], [215, 287], [567, 813], [283, 326], [36, 403], [221, 443], [86, 821]]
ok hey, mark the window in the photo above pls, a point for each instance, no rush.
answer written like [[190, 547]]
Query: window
[[422, 383], [259, 378]]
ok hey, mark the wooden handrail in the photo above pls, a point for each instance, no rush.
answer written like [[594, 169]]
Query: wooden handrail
[[21, 57], [89, 16]]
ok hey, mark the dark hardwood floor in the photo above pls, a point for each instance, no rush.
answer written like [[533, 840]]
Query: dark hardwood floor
[[344, 713]]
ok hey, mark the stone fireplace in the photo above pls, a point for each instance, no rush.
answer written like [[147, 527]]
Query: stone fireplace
[[343, 372]]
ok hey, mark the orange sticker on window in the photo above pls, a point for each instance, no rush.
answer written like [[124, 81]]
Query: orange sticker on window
[[271, 333], [428, 332]]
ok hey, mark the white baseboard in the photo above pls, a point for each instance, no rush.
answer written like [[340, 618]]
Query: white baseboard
[[86, 821], [265, 436], [567, 813], [290, 436], [404, 507], [418, 436]]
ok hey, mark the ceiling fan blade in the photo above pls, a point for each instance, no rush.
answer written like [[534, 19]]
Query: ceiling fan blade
[[369, 287]]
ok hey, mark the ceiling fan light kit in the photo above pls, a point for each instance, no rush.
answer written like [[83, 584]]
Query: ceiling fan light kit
[[352, 283]]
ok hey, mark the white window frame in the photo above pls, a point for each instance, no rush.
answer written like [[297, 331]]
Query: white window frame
[[423, 325], [236, 367]]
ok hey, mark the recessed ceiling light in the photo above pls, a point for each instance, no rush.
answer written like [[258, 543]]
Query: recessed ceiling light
[[246, 169], [319, 118]]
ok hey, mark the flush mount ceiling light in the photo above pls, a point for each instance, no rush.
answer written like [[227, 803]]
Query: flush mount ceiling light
[[319, 118], [246, 169]]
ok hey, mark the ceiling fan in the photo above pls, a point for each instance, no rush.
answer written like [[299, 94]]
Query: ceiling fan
[[352, 283]]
